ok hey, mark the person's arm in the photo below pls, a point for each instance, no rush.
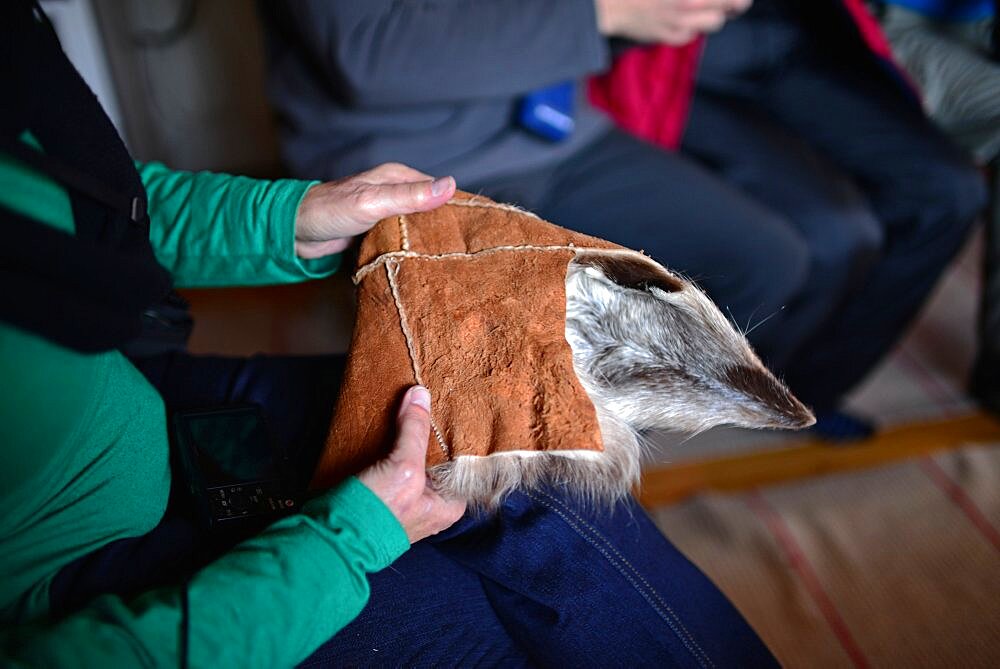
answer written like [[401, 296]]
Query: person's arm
[[213, 229], [385, 52], [268, 603], [272, 600]]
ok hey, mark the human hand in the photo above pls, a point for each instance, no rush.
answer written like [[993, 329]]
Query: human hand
[[674, 22], [332, 213], [400, 480]]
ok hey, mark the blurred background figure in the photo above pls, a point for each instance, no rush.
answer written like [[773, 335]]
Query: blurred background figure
[[951, 50], [813, 200], [948, 47]]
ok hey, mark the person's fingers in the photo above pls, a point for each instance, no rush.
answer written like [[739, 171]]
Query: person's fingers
[[725, 8], [451, 510], [706, 5], [394, 173], [400, 480], [439, 513], [393, 199], [414, 429], [677, 36], [704, 21]]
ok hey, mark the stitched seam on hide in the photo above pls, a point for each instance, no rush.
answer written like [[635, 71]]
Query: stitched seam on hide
[[391, 270], [697, 656], [404, 234], [371, 266], [491, 205], [635, 571]]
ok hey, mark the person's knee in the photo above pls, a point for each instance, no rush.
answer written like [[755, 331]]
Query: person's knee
[[759, 280], [956, 191], [786, 274], [844, 244], [963, 187]]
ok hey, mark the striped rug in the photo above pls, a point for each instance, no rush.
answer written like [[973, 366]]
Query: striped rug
[[893, 567]]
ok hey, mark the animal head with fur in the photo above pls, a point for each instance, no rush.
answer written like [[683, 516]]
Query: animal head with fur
[[547, 352]]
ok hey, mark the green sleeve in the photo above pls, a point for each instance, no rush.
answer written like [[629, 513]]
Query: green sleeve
[[213, 229], [270, 602]]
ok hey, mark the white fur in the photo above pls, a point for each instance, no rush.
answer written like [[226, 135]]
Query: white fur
[[647, 358]]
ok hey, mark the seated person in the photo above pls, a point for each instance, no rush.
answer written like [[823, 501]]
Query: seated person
[[104, 561], [820, 232]]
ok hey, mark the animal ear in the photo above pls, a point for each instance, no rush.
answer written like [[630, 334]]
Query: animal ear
[[763, 400], [653, 350], [630, 271]]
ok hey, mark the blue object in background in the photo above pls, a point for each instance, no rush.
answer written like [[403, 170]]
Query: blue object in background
[[548, 112], [950, 10]]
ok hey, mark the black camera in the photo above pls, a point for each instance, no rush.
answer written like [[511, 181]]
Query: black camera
[[233, 468]]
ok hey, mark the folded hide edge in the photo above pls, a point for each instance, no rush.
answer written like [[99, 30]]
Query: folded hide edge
[[470, 300]]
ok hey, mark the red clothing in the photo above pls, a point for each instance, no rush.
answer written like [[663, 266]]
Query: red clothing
[[648, 90]]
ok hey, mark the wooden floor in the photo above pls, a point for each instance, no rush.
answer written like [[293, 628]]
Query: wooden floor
[[666, 485]]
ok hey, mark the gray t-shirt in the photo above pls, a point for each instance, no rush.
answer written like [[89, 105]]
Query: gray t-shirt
[[430, 83]]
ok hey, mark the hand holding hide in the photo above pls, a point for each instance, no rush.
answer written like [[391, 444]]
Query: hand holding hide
[[400, 480], [674, 22], [332, 213]]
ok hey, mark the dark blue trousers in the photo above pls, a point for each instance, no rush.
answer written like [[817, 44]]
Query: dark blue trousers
[[543, 582], [812, 199]]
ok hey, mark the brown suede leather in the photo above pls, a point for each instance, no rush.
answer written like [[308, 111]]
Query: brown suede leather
[[480, 293]]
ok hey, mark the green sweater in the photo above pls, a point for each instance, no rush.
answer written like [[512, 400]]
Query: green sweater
[[85, 462]]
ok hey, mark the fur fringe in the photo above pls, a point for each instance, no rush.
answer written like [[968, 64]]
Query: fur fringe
[[597, 479]]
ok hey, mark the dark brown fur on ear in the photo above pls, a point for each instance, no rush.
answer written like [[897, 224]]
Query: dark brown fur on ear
[[630, 271], [776, 402]]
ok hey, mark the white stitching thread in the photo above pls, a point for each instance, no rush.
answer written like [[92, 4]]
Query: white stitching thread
[[364, 270], [404, 234], [472, 202], [391, 270]]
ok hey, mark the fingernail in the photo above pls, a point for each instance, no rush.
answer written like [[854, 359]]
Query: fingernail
[[440, 185], [421, 397]]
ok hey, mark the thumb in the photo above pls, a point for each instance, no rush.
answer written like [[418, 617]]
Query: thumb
[[407, 198], [414, 428]]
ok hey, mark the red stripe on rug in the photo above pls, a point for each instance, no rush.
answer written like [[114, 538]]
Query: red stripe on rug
[[948, 399], [956, 493], [800, 564]]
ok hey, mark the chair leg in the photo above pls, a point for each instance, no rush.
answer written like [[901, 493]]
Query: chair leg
[[986, 372]]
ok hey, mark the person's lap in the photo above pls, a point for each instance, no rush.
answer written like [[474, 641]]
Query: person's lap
[[424, 611], [544, 580], [549, 582]]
